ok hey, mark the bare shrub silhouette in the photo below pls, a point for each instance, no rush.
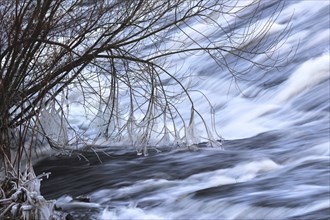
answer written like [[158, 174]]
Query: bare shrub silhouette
[[111, 52]]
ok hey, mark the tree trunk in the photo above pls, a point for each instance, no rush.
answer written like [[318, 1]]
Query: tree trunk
[[5, 156], [4, 126]]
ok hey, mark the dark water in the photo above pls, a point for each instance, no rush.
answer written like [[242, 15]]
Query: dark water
[[275, 163], [269, 176]]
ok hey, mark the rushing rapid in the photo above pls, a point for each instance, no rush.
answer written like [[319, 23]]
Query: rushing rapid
[[275, 159]]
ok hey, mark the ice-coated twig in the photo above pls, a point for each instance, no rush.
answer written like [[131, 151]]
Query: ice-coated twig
[[39, 177]]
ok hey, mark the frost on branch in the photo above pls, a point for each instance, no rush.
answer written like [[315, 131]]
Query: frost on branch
[[53, 125], [21, 198]]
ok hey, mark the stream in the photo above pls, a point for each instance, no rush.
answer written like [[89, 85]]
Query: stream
[[274, 162]]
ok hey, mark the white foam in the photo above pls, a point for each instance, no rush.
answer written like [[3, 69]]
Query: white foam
[[309, 74], [319, 150], [302, 10], [131, 213]]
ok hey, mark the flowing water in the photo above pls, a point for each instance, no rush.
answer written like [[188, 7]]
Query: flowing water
[[274, 163]]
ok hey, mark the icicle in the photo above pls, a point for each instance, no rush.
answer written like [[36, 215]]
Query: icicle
[[26, 212], [165, 140], [130, 130], [145, 151], [191, 137], [14, 209]]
